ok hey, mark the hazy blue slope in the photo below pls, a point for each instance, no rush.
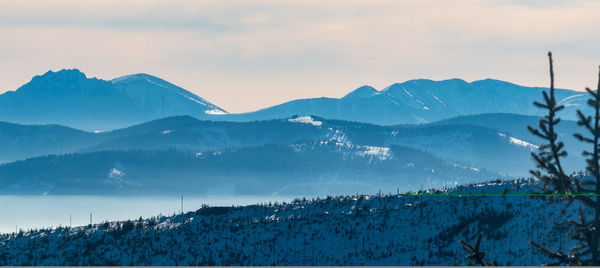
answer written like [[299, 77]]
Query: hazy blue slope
[[460, 143], [420, 101], [24, 141], [159, 98], [300, 169], [515, 125], [376, 109], [68, 98], [472, 145], [186, 133]]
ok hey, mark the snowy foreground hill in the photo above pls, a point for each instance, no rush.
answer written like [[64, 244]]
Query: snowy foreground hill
[[383, 229]]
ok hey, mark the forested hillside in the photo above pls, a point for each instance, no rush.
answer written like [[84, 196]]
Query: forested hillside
[[382, 229]]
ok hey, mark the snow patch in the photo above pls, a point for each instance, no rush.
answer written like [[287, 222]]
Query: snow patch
[[338, 137], [214, 111], [436, 98], [115, 173], [381, 153], [116, 178], [569, 98], [422, 104], [518, 142], [305, 120], [408, 93]]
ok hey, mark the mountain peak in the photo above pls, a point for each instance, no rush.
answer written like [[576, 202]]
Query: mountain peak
[[491, 81], [64, 74], [65, 80], [133, 77], [430, 81], [362, 92]]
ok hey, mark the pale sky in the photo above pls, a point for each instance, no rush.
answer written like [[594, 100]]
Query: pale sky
[[246, 55]]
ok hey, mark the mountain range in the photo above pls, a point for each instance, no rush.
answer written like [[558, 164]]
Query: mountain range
[[299, 155], [69, 98], [419, 133]]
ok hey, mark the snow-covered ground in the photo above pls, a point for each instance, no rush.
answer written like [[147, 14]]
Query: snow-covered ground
[[383, 229], [46, 211]]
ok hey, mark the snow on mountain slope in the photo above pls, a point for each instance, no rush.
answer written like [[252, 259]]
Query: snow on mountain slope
[[421, 101], [383, 229], [162, 98], [518, 142], [376, 109]]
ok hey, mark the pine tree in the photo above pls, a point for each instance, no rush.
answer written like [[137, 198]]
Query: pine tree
[[548, 157], [571, 188]]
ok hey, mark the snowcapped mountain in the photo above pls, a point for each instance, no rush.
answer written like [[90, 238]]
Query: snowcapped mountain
[[68, 97], [421, 101], [384, 229]]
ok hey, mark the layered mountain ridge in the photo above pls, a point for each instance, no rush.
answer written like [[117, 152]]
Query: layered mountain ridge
[[68, 97], [297, 155], [423, 101], [368, 139]]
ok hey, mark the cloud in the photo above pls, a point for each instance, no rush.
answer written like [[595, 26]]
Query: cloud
[[245, 55]]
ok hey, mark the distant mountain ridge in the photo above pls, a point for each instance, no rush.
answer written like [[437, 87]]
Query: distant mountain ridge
[[483, 147], [302, 154], [422, 101], [310, 168], [69, 98]]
